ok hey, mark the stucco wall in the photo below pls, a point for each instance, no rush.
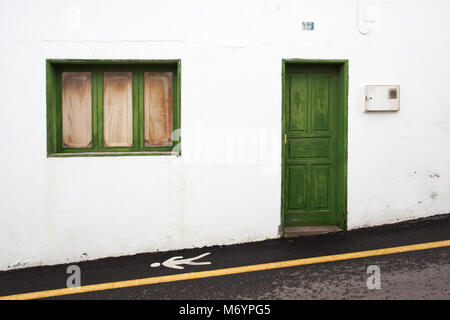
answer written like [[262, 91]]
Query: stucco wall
[[226, 186]]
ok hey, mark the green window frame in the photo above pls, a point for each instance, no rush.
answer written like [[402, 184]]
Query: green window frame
[[54, 70]]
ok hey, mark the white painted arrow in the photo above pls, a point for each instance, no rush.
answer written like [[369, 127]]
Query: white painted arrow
[[176, 262]]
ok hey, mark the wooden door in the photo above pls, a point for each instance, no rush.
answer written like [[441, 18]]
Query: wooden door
[[312, 138]]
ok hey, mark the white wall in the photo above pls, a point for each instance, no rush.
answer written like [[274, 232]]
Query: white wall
[[69, 209]]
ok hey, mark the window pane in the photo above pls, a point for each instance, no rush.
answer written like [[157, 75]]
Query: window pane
[[118, 109], [76, 109], [158, 108]]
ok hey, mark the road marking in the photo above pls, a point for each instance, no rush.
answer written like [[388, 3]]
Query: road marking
[[176, 262], [224, 272]]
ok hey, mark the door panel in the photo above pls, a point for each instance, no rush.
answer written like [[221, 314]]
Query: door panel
[[297, 105], [320, 186], [297, 186], [320, 91], [310, 165], [308, 148]]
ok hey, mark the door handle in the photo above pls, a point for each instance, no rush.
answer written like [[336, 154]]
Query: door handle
[[285, 138]]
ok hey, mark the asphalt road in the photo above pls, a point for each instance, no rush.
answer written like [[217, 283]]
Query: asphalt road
[[423, 274], [416, 275]]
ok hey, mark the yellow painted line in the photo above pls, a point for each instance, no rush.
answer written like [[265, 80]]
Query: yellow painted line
[[224, 272]]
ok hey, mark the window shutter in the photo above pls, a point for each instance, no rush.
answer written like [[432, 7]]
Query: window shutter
[[158, 112], [76, 109], [118, 109]]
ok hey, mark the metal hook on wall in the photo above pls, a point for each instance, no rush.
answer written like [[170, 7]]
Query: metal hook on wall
[[358, 21]]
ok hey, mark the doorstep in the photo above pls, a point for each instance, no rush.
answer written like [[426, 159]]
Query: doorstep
[[309, 230]]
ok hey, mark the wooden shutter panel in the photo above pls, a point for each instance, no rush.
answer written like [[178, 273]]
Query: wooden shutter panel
[[158, 107], [76, 109], [118, 109]]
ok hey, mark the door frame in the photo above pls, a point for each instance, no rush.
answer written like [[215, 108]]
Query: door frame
[[342, 111]]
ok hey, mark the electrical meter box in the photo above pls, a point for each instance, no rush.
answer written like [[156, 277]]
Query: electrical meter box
[[382, 98]]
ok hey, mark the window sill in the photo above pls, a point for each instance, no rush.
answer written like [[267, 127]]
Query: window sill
[[113, 154]]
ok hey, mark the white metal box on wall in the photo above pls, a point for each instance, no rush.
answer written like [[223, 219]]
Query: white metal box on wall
[[382, 98]]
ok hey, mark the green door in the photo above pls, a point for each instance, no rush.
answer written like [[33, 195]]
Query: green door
[[313, 142]]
